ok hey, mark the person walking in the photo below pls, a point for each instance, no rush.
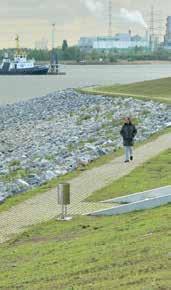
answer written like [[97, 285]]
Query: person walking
[[128, 132]]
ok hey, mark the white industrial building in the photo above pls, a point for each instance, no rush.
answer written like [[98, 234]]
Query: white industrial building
[[119, 41]]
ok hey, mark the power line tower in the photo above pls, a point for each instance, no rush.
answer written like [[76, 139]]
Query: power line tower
[[152, 29], [110, 18], [155, 28]]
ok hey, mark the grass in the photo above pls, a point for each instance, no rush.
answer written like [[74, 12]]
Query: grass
[[16, 199], [14, 163], [18, 173], [154, 173], [157, 90], [131, 251], [127, 252]]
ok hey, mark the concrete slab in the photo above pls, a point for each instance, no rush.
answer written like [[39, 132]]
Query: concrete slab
[[139, 201], [157, 192]]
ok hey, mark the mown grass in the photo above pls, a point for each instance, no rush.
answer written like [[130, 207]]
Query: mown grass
[[157, 90], [152, 174], [131, 251], [16, 199]]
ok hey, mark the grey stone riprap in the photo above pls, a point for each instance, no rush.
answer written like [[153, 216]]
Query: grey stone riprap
[[53, 135]]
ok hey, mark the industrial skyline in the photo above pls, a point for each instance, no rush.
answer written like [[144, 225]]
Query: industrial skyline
[[74, 18]]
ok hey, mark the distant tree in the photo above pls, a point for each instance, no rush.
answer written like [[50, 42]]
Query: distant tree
[[73, 53], [112, 57], [64, 45], [39, 55], [136, 49]]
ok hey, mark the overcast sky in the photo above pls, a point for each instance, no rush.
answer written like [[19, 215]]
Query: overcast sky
[[32, 19]]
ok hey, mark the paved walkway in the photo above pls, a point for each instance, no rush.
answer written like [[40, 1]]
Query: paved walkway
[[44, 206]]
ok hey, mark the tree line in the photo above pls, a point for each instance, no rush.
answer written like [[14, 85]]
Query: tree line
[[73, 53]]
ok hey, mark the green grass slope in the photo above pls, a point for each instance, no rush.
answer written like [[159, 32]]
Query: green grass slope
[[131, 251], [153, 173], [159, 89]]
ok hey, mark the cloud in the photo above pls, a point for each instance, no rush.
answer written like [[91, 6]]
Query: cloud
[[74, 18], [133, 16], [93, 6]]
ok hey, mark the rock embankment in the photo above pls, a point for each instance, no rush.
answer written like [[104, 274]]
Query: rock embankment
[[52, 135]]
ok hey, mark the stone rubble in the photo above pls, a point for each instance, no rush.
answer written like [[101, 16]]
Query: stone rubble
[[52, 135]]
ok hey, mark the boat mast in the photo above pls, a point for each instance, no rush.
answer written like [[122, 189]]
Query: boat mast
[[17, 44]]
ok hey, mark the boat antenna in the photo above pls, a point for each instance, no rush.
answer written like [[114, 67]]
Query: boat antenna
[[17, 39]]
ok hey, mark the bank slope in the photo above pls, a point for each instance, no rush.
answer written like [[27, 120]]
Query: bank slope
[[131, 251], [159, 90]]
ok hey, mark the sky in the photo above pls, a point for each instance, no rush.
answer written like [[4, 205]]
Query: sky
[[32, 19]]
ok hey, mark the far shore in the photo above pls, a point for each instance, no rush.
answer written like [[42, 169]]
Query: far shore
[[120, 62]]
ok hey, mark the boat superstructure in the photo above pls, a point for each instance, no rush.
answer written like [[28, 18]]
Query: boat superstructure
[[20, 65]]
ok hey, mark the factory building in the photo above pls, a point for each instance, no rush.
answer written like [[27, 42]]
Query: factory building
[[167, 39], [119, 41]]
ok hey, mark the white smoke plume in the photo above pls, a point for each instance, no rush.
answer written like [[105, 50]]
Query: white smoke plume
[[94, 6], [133, 16], [97, 7]]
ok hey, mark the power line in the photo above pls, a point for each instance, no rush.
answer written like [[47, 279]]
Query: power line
[[110, 18]]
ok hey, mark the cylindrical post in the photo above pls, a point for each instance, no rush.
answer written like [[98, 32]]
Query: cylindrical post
[[63, 197], [53, 36]]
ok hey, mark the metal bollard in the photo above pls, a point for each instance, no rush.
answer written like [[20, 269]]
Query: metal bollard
[[63, 197]]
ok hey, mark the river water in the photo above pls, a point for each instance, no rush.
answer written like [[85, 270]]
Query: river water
[[16, 88]]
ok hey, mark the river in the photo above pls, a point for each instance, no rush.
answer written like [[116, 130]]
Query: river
[[16, 88]]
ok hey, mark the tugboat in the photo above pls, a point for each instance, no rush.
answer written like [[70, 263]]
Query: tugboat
[[20, 65]]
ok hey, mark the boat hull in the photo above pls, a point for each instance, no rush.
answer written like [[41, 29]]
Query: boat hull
[[27, 71]]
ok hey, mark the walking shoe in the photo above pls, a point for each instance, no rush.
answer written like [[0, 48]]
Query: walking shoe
[[126, 161], [131, 158]]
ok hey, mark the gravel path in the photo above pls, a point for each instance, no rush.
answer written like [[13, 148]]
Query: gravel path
[[44, 207]]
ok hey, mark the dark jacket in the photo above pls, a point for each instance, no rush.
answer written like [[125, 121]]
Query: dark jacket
[[128, 133]]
